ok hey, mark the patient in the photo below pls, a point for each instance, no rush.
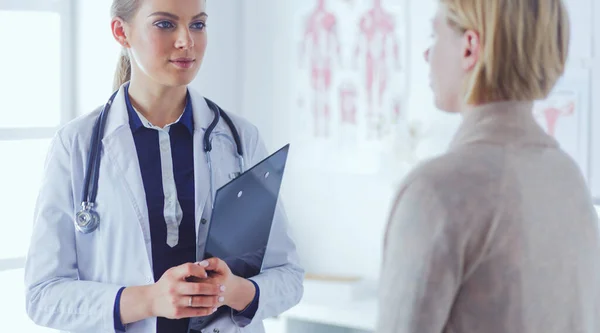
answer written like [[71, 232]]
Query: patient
[[499, 234]]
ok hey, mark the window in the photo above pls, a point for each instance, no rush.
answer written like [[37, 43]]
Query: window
[[36, 91], [25, 60]]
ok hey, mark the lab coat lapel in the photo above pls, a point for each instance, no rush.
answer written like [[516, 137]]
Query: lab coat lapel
[[119, 148], [203, 116], [201, 178]]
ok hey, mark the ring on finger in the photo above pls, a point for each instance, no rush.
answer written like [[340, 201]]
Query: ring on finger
[[190, 302]]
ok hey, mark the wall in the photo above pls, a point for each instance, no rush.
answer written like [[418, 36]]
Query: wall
[[337, 219], [595, 123], [220, 76]]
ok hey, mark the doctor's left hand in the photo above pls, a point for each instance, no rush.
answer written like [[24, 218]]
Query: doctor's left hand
[[239, 292]]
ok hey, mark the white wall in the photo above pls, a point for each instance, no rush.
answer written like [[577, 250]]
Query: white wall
[[595, 123], [337, 219], [220, 76]]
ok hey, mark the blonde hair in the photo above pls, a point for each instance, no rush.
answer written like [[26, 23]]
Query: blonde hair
[[524, 46], [124, 9]]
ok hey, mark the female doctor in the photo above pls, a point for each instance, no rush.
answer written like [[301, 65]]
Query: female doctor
[[155, 184]]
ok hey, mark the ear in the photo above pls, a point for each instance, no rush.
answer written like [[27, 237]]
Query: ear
[[118, 27], [472, 49]]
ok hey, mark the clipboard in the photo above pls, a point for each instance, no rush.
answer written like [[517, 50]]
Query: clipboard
[[241, 222], [243, 214]]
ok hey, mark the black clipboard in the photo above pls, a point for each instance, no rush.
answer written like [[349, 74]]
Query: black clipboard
[[241, 221], [243, 213]]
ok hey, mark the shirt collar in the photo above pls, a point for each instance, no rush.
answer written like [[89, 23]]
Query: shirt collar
[[135, 122], [501, 123]]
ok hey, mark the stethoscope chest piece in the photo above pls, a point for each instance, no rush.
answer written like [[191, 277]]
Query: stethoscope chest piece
[[87, 220]]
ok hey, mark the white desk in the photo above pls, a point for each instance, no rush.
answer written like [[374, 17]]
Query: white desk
[[330, 307], [357, 315]]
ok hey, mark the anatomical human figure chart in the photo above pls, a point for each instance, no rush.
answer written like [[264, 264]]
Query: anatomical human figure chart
[[350, 79]]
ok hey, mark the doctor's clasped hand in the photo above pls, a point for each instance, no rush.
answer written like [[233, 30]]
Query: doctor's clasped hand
[[175, 296]]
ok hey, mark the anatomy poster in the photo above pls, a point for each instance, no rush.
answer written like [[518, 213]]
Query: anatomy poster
[[565, 115], [350, 80]]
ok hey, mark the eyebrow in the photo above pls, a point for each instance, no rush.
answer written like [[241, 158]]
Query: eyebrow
[[175, 17]]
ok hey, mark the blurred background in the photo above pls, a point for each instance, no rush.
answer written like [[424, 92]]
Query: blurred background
[[343, 81]]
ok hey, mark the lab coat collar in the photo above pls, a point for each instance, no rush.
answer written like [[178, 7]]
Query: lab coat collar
[[202, 116], [117, 116], [136, 119], [508, 122]]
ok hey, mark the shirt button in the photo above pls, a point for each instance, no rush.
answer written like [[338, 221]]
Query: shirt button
[[216, 330], [203, 221]]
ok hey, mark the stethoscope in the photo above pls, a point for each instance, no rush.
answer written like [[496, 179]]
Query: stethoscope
[[87, 219]]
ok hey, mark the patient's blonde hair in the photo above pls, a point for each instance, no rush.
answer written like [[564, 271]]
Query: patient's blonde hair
[[524, 46]]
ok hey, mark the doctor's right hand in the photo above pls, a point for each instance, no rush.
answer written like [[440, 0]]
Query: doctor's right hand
[[173, 297]]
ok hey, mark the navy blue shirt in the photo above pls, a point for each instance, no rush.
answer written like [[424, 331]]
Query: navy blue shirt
[[149, 155]]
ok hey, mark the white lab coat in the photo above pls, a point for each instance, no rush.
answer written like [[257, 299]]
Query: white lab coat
[[498, 235], [72, 279]]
